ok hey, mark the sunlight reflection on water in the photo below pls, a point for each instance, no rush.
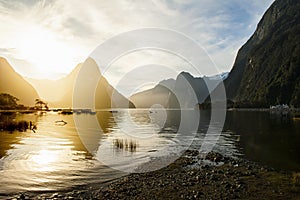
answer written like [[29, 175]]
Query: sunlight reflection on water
[[49, 159], [54, 157]]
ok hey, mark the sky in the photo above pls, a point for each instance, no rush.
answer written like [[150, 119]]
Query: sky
[[48, 38]]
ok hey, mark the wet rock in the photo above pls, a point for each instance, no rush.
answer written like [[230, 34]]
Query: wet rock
[[214, 157], [55, 195], [22, 197], [191, 153]]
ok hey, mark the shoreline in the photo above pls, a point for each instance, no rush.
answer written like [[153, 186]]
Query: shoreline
[[190, 178]]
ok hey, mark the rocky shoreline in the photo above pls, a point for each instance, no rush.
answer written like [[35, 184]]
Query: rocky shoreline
[[190, 178]]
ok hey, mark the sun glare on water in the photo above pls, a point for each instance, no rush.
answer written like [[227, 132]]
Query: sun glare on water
[[43, 159]]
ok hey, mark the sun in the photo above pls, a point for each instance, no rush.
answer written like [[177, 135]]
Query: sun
[[44, 49]]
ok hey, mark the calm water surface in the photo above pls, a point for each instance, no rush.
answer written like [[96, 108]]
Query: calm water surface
[[55, 158], [266, 138]]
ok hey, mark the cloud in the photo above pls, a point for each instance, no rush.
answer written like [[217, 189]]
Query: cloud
[[219, 26], [7, 51]]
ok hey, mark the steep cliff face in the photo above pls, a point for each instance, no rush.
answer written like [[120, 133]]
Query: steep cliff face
[[14, 84], [267, 67]]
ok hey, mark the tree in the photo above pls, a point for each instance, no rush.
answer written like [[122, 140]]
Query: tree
[[8, 101], [39, 104]]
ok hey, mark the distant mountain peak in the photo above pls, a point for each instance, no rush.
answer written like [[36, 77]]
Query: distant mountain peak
[[59, 93], [221, 76], [2, 59], [5, 65], [186, 75]]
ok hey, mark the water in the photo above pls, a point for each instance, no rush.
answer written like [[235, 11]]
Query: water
[[53, 158], [56, 158], [266, 138]]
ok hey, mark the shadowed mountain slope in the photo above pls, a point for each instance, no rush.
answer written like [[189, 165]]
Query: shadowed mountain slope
[[14, 84]]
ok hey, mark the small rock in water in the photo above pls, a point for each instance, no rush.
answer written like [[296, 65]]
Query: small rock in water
[[22, 196]]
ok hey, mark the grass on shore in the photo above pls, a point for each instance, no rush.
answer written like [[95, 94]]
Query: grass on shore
[[130, 145], [20, 126]]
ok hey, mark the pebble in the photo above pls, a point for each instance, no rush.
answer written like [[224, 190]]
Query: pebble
[[227, 181]]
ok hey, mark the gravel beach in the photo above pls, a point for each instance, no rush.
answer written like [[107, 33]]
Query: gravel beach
[[190, 178]]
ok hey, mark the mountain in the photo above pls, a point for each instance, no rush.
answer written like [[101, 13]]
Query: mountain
[[107, 96], [59, 93], [267, 67], [56, 92], [13, 83], [221, 76], [157, 95], [169, 93]]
